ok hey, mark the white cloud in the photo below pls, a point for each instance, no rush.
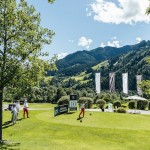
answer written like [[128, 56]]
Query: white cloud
[[114, 38], [102, 45], [71, 41], [113, 43], [88, 13], [61, 55], [124, 11], [84, 42], [138, 39]]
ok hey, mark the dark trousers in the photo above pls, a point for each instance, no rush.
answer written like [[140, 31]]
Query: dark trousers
[[82, 111], [25, 111]]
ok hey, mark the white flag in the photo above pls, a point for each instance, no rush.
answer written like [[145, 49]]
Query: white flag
[[125, 82], [98, 82], [112, 82], [138, 80]]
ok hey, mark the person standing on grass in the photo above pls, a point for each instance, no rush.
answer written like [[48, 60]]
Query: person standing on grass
[[25, 109], [18, 108], [82, 109], [14, 113]]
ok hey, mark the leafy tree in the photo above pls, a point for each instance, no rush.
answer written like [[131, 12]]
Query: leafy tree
[[59, 94], [100, 103], [145, 85], [63, 100], [117, 104], [51, 1], [21, 41], [148, 10], [87, 100], [142, 105]]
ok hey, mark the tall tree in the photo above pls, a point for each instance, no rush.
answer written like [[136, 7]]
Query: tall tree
[[21, 41], [148, 10], [51, 1], [145, 85]]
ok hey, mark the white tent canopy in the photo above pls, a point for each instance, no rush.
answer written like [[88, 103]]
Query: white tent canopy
[[135, 97]]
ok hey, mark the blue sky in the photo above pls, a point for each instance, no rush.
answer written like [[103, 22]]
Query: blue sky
[[88, 24]]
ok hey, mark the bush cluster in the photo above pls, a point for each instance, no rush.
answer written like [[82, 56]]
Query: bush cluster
[[63, 100], [131, 104], [87, 100], [100, 103], [142, 104], [121, 110], [117, 104]]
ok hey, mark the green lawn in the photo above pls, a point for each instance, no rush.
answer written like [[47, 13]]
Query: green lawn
[[99, 131]]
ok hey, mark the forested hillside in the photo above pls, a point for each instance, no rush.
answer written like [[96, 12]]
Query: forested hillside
[[83, 83], [80, 61], [133, 62]]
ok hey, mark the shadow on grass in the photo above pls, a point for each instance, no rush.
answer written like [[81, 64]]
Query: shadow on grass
[[6, 145], [6, 123], [9, 123], [79, 118], [20, 119], [7, 126], [68, 113]]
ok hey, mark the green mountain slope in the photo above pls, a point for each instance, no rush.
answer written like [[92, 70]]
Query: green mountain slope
[[133, 62], [80, 61]]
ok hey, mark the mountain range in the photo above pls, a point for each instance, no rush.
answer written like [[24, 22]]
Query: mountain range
[[120, 59]]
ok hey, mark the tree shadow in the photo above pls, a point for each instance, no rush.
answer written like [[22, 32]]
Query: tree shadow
[[6, 123], [20, 119], [6, 126], [9, 123], [6, 145]]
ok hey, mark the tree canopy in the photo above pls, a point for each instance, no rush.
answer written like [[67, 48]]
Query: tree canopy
[[21, 42], [51, 1]]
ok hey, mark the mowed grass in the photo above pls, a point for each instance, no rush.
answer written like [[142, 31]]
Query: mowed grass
[[98, 131]]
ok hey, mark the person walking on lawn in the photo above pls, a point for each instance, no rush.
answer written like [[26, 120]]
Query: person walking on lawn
[[25, 109], [82, 109], [18, 108], [14, 113]]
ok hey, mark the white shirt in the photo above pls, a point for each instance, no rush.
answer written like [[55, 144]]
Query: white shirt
[[18, 105], [14, 109], [25, 104], [82, 105]]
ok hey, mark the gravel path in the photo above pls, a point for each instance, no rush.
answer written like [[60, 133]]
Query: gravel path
[[128, 111]]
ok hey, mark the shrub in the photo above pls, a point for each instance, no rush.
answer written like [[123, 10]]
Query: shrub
[[87, 100], [148, 105], [121, 110], [63, 100], [142, 104], [124, 105], [100, 103], [131, 104], [117, 104]]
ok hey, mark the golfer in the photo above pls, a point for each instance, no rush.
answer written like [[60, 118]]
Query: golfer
[[82, 109], [18, 108], [14, 114], [25, 109]]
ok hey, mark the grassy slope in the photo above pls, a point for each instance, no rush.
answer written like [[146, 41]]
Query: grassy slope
[[81, 76], [102, 64], [99, 131]]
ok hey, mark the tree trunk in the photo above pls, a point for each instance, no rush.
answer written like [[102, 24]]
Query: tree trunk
[[1, 111]]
